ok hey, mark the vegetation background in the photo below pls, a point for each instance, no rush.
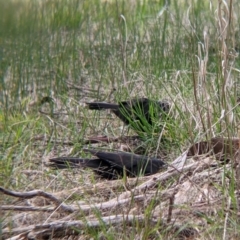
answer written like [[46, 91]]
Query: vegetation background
[[74, 51]]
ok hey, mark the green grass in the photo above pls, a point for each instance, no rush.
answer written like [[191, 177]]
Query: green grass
[[77, 51]]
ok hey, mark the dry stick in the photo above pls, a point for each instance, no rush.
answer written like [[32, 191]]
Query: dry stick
[[63, 226], [84, 208], [26, 208], [60, 228], [166, 175], [117, 203], [37, 193], [21, 236]]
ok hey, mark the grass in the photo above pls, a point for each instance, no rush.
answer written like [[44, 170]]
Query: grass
[[79, 51]]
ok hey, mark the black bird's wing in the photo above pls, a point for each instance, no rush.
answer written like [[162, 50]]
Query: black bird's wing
[[126, 111], [101, 105], [140, 112], [118, 159], [133, 163]]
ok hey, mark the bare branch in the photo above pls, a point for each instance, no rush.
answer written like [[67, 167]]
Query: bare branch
[[37, 193]]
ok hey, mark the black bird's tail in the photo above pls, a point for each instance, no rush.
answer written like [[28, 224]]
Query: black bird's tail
[[101, 105], [72, 162], [102, 168]]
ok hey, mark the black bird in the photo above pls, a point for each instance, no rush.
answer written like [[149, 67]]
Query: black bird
[[136, 112], [111, 165]]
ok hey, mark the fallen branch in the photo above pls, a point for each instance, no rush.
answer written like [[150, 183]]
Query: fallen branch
[[63, 228], [38, 193], [26, 208]]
